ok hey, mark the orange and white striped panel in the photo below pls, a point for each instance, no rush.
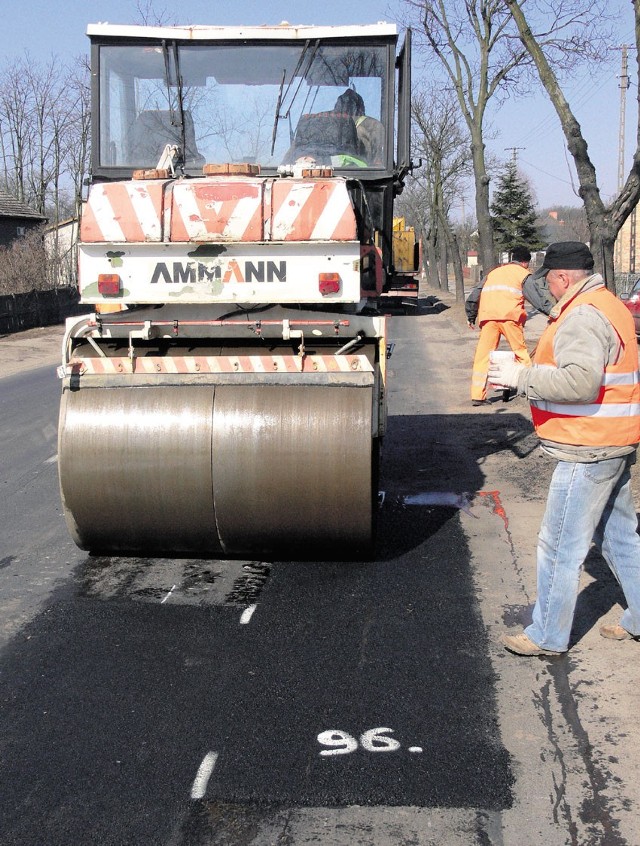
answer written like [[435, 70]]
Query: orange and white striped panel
[[318, 210], [121, 212], [217, 210], [221, 364]]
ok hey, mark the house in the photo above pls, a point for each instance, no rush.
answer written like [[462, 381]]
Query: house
[[16, 218], [471, 271], [61, 244]]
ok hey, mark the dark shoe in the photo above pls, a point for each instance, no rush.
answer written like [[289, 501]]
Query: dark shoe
[[521, 644], [476, 403], [612, 631]]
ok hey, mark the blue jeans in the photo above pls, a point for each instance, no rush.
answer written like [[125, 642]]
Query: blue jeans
[[586, 502]]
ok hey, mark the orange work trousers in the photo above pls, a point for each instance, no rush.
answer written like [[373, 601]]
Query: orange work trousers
[[490, 333]]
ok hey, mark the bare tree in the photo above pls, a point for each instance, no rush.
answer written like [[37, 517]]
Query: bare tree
[[45, 98], [78, 139], [470, 40], [44, 137], [30, 100], [38, 116], [605, 221], [149, 16], [476, 44], [442, 144], [15, 130]]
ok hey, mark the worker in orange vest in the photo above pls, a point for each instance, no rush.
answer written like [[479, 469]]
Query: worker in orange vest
[[585, 403], [500, 313]]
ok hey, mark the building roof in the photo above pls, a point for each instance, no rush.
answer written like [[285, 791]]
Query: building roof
[[11, 207]]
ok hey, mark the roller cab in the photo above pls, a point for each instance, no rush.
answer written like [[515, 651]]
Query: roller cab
[[226, 395]]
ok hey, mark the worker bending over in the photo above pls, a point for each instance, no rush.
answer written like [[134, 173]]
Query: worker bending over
[[500, 312]]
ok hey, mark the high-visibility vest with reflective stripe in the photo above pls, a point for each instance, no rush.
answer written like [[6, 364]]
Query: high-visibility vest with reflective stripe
[[613, 417], [501, 297]]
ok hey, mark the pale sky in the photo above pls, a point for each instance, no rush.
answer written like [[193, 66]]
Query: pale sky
[[46, 28]]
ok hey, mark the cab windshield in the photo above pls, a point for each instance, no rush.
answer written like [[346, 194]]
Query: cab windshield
[[271, 105]]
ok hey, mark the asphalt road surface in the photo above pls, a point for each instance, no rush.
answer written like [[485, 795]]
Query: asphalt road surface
[[190, 702]]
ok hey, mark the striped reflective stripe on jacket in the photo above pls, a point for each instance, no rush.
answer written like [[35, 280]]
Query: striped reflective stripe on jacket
[[613, 417]]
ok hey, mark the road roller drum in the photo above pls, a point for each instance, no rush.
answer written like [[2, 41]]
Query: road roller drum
[[220, 469]]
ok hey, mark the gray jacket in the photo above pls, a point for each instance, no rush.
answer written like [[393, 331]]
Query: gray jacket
[[583, 345], [536, 292]]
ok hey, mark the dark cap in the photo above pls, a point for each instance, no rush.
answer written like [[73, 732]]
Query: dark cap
[[566, 255], [520, 253]]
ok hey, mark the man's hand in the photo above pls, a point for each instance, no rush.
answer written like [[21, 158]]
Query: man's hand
[[471, 324], [505, 374]]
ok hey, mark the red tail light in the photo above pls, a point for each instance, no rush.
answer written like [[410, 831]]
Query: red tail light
[[109, 285], [329, 283]]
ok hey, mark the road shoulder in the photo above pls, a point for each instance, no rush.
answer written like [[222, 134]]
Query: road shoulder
[[20, 351]]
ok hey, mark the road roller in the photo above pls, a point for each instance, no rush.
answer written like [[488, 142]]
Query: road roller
[[225, 393]]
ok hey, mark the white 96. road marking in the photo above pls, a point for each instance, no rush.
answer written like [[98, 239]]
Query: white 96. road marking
[[374, 740], [200, 782]]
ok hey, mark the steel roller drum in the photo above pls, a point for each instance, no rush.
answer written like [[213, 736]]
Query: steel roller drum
[[226, 469]]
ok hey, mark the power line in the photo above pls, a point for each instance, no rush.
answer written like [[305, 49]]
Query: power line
[[578, 96], [546, 173]]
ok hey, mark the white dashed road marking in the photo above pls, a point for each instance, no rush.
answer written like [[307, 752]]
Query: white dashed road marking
[[247, 614], [168, 595], [200, 782]]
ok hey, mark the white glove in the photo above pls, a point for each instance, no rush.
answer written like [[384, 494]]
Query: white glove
[[505, 374]]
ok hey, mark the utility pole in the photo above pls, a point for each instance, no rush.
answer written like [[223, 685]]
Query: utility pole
[[624, 85], [514, 153]]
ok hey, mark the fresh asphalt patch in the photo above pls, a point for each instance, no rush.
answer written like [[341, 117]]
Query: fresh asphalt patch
[[367, 685], [351, 684], [105, 710]]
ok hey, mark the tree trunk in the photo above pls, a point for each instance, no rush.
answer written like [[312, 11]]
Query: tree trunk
[[457, 268], [456, 261], [432, 259], [486, 248], [444, 275], [602, 243]]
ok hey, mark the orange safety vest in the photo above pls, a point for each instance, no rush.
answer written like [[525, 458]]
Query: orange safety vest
[[613, 417], [501, 297]]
